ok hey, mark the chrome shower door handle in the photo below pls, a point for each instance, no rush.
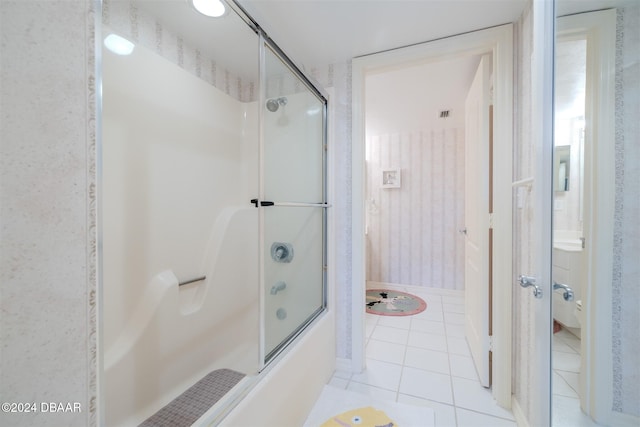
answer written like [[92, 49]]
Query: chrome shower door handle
[[526, 281]]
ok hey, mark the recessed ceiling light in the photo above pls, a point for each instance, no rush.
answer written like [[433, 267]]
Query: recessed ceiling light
[[118, 45], [212, 8]]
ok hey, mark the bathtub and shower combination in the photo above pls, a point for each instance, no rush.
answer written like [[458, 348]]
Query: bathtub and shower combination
[[214, 220]]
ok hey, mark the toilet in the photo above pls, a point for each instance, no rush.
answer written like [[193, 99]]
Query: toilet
[[567, 269], [566, 312]]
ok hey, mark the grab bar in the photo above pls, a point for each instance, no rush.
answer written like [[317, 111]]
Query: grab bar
[[567, 293], [257, 202], [197, 279], [302, 205]]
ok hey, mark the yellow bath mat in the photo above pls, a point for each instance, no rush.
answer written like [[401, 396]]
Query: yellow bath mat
[[361, 417], [337, 405]]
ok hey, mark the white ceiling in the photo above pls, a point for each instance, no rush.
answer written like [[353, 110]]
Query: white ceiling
[[412, 97], [318, 32]]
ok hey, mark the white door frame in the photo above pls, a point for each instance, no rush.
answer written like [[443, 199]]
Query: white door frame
[[499, 42]]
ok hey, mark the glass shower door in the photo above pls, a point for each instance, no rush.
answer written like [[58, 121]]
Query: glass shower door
[[293, 203]]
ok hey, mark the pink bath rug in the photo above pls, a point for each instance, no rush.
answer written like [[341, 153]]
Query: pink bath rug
[[393, 303]]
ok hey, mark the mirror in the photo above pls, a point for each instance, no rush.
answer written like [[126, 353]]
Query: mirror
[[562, 167], [596, 340], [569, 111]]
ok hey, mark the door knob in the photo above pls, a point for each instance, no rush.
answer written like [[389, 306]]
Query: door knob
[[526, 281], [567, 292], [463, 231]]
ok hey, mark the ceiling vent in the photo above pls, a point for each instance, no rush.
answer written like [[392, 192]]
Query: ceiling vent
[[444, 114]]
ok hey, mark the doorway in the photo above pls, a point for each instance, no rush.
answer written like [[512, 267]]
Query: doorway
[[583, 219], [415, 130], [497, 42]]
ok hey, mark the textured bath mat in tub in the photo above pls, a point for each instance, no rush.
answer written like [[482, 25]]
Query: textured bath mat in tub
[[393, 303], [185, 409]]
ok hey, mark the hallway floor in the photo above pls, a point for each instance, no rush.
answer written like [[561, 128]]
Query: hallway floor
[[566, 410], [424, 360]]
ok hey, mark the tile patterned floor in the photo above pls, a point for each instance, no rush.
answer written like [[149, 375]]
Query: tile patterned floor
[[566, 410], [424, 360]]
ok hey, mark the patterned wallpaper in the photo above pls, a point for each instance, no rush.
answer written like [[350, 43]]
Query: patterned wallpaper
[[130, 21], [338, 77], [626, 270], [413, 236]]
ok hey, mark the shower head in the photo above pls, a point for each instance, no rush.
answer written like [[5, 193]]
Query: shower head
[[274, 103]]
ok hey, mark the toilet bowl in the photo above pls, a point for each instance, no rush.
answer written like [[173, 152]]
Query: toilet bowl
[[565, 312]]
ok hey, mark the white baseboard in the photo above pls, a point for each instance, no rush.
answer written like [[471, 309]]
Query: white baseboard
[[343, 365], [624, 420], [618, 419], [410, 288]]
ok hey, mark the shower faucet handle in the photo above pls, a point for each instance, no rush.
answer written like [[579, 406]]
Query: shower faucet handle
[[282, 252]]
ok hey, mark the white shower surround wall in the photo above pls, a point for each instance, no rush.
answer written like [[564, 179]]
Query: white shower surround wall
[[179, 170], [188, 162]]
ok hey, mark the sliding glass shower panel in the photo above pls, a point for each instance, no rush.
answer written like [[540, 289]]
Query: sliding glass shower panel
[[293, 272], [293, 137], [294, 198]]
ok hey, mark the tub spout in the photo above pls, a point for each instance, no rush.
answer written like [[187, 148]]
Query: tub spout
[[278, 287]]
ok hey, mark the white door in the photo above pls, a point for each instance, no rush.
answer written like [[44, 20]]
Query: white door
[[477, 242]]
